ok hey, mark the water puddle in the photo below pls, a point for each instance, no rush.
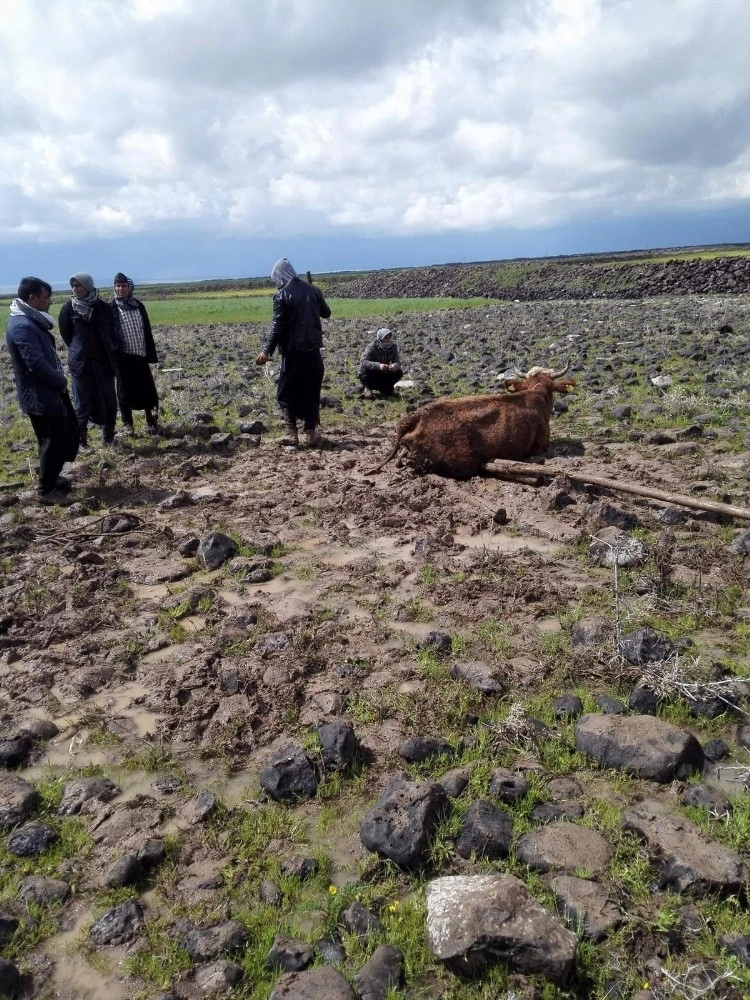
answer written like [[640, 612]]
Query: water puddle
[[548, 625], [149, 592]]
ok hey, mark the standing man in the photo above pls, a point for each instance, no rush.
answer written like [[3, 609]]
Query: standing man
[[87, 327], [40, 384], [135, 353], [380, 366], [298, 333]]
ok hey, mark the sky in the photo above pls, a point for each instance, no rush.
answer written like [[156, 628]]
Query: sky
[[185, 139]]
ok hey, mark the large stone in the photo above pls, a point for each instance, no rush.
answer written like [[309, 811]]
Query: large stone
[[687, 859], [474, 922], [586, 905], [486, 831], [641, 745], [80, 790], [289, 776], [480, 675], [18, 799], [564, 847], [323, 983], [218, 978], [400, 823], [206, 943], [338, 744], [383, 971], [614, 546], [119, 924], [645, 645], [215, 549]]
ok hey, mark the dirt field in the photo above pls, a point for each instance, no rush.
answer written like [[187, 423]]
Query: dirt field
[[174, 680]]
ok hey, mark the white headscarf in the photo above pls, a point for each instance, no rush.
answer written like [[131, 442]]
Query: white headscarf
[[282, 271]]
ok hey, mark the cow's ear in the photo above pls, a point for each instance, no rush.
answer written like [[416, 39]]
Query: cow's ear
[[566, 386], [511, 384]]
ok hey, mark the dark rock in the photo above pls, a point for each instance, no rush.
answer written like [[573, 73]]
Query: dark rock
[[418, 748], [384, 971], [609, 705], [43, 890], [80, 790], [645, 645], [200, 807], [269, 893], [643, 700], [455, 781], [703, 797], [271, 642], [716, 750], [331, 952], [440, 642], [357, 919], [206, 943], [476, 922], [124, 871], [38, 730], [167, 785], [289, 776], [339, 745], [508, 786], [152, 853], [288, 954], [215, 550], [608, 515], [119, 924], [737, 945], [479, 675], [401, 821], [218, 978], [486, 831], [31, 839], [590, 631], [567, 706], [8, 927], [14, 752], [564, 846], [551, 812], [301, 868], [10, 980], [641, 745], [586, 906], [613, 545], [740, 546], [323, 983]]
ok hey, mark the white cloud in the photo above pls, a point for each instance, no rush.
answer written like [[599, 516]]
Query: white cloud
[[330, 117]]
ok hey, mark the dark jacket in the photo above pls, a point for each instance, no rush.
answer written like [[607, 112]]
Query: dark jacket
[[76, 332], [376, 354], [39, 376], [148, 335], [297, 311]]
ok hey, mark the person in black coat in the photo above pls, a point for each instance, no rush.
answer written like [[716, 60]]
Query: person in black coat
[[87, 327], [41, 386], [298, 333], [136, 352], [380, 366]]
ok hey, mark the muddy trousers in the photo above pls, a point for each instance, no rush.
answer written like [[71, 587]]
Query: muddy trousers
[[52, 436]]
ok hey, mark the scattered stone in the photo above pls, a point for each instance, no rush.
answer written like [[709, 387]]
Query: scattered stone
[[322, 983], [10, 980], [613, 545], [289, 776], [609, 705], [42, 889], [288, 954], [716, 750], [124, 871], [645, 645], [740, 546], [39, 730], [301, 868], [567, 706], [479, 675], [331, 952], [218, 978], [643, 700], [357, 919], [13, 753], [269, 893], [18, 799], [508, 786], [31, 839], [419, 748], [8, 927], [564, 847], [551, 812], [590, 631], [80, 790], [475, 922], [215, 550], [702, 797], [456, 780], [384, 971], [167, 785], [338, 743], [439, 642], [401, 821], [608, 515], [687, 859], [151, 853], [119, 924], [206, 943], [643, 746], [200, 807], [271, 642], [737, 945], [486, 831], [586, 906]]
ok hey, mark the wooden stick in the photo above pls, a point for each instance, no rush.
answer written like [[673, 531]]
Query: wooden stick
[[503, 468]]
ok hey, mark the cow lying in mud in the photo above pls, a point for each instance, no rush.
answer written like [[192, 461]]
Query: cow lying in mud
[[455, 437]]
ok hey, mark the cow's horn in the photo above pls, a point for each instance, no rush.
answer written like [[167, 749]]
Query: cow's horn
[[561, 373]]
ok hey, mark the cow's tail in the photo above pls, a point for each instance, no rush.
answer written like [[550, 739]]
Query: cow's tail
[[404, 425]]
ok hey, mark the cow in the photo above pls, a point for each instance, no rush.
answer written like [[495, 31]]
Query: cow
[[455, 437]]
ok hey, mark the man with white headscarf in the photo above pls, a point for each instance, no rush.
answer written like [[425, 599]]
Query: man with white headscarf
[[298, 307], [87, 327]]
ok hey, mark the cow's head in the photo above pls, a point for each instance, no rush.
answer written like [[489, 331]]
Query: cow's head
[[541, 376]]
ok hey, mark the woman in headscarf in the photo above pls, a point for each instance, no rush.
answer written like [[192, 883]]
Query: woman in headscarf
[[135, 353], [380, 366], [298, 333], [87, 327]]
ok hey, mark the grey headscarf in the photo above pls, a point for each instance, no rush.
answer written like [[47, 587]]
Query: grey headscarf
[[382, 333], [282, 271], [84, 307]]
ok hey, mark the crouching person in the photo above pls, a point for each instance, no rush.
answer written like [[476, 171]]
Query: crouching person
[[41, 386], [380, 366]]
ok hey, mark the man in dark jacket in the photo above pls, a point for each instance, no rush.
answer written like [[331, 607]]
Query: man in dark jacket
[[40, 384], [380, 366], [87, 326], [297, 332]]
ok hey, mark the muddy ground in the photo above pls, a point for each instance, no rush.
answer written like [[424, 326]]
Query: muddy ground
[[173, 680]]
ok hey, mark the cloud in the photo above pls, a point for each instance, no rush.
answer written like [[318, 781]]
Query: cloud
[[326, 117]]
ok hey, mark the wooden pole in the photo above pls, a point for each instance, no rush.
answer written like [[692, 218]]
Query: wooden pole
[[503, 468]]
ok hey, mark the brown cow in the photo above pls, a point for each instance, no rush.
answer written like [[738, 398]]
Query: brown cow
[[455, 437]]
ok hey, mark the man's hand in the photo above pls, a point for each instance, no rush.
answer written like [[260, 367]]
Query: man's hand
[[262, 358]]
